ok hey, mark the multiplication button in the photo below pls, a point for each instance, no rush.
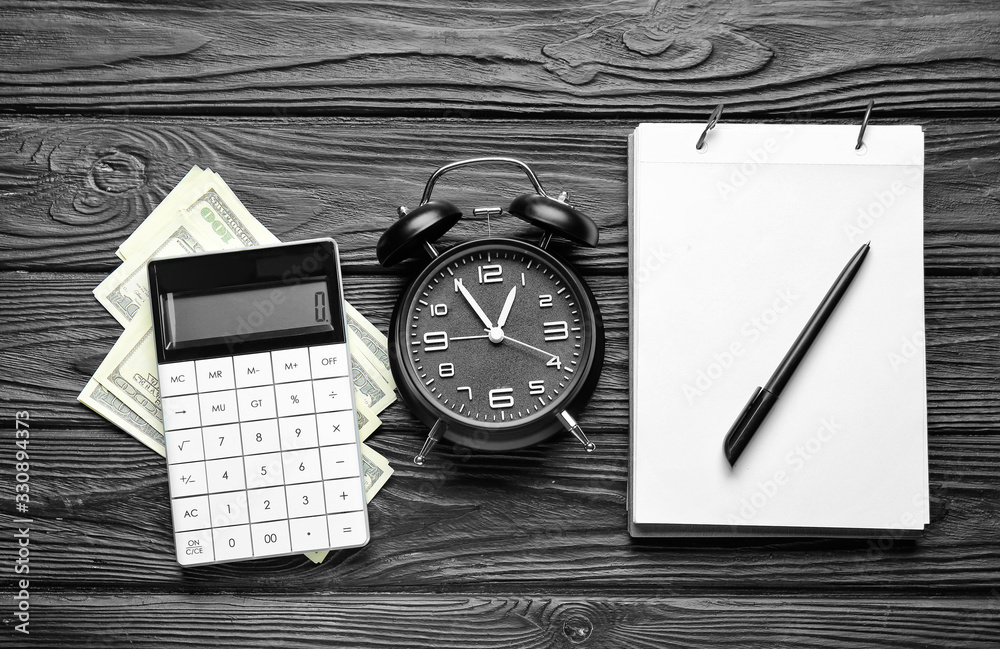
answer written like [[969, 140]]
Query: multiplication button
[[328, 361], [290, 365], [177, 379], [336, 427]]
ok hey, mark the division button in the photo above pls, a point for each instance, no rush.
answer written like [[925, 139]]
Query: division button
[[333, 394]]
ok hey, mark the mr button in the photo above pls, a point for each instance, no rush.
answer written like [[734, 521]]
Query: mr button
[[328, 361]]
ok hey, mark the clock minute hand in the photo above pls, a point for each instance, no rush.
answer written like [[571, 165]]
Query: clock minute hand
[[475, 305], [502, 320], [513, 340]]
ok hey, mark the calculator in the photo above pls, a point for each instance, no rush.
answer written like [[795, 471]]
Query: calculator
[[263, 456]]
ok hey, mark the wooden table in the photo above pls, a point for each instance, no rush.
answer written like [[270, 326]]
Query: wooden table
[[323, 117]]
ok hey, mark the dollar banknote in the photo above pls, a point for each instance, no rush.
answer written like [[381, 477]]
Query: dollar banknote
[[107, 405], [368, 381], [374, 340], [129, 371], [376, 473]]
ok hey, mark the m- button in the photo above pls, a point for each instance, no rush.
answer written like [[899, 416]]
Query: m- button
[[177, 379], [328, 361]]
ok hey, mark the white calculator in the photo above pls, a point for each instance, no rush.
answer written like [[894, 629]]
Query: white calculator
[[263, 456]]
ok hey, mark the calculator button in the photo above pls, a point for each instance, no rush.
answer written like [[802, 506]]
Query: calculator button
[[222, 441], [327, 361], [270, 538], [263, 470], [294, 398], [297, 432], [339, 461], [343, 495], [309, 534], [180, 412], [290, 365], [177, 379], [252, 370], [229, 508], [333, 394], [260, 436], [187, 479], [190, 513], [305, 500], [218, 408], [183, 446], [225, 475], [348, 529], [232, 543], [215, 374], [336, 427], [267, 504], [302, 466], [194, 547], [256, 403]]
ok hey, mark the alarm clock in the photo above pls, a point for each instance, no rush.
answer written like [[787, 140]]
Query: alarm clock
[[497, 344]]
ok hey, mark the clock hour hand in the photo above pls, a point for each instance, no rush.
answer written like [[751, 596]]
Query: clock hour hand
[[475, 305], [509, 302]]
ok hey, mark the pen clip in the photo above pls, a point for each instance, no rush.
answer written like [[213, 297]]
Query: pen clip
[[746, 424]]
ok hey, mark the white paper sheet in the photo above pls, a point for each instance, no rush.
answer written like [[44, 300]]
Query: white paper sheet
[[733, 248]]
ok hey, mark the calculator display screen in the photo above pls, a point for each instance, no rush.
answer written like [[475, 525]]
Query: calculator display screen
[[252, 313]]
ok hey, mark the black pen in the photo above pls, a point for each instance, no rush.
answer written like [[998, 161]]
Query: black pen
[[763, 399]]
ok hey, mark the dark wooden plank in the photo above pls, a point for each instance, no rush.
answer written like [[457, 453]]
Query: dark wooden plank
[[663, 58], [548, 519], [71, 190], [56, 334], [513, 621]]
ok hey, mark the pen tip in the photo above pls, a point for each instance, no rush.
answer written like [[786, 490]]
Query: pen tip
[[869, 244]]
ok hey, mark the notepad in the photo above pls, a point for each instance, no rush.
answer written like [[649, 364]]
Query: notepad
[[731, 250]]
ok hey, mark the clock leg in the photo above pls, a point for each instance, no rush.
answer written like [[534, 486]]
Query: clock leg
[[573, 427], [433, 437]]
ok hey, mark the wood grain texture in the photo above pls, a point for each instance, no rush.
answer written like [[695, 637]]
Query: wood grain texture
[[71, 190], [525, 622], [59, 347], [550, 519], [663, 57]]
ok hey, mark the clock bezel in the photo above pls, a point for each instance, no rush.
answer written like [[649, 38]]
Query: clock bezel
[[497, 436]]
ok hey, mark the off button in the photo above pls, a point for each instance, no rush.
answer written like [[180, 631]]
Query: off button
[[328, 361]]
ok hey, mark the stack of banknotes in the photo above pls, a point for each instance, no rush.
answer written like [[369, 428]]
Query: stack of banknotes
[[202, 214]]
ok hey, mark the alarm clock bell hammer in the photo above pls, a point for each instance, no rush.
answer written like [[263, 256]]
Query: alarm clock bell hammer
[[497, 344]]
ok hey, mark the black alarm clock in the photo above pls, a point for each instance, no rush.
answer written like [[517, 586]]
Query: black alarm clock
[[497, 344]]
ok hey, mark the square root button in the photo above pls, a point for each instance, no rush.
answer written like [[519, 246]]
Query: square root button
[[328, 361]]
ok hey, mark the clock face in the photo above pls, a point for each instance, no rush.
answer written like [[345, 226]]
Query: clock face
[[496, 335]]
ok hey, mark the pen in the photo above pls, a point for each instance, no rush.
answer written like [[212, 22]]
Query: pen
[[763, 399]]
